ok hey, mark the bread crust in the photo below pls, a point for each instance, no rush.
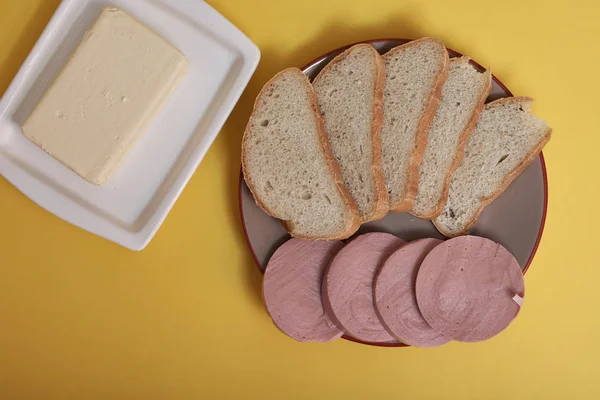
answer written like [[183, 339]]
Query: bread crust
[[433, 101], [460, 147], [379, 191], [485, 201], [382, 206], [354, 222]]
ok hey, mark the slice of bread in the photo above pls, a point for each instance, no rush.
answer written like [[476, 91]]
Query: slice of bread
[[463, 96], [288, 165], [506, 139], [415, 75], [350, 94]]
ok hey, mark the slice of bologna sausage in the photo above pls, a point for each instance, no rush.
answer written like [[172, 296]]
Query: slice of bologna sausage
[[348, 285], [465, 288], [292, 289], [395, 297]]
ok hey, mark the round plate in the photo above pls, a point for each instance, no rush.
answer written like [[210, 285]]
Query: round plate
[[515, 219]]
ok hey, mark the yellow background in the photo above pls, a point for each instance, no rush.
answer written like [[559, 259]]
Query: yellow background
[[82, 318]]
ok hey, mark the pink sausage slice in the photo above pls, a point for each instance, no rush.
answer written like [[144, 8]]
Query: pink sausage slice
[[465, 288], [395, 297], [348, 285], [292, 289]]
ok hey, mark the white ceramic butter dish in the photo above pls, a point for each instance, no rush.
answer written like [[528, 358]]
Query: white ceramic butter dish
[[130, 207]]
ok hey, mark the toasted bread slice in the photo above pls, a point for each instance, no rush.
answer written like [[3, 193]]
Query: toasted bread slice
[[415, 75], [463, 97], [288, 165], [350, 94], [506, 139]]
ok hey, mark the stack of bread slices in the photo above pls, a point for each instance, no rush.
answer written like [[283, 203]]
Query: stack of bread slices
[[407, 131]]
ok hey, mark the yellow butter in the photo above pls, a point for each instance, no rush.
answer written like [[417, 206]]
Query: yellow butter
[[106, 96]]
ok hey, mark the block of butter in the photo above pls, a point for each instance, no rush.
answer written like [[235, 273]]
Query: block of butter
[[106, 96]]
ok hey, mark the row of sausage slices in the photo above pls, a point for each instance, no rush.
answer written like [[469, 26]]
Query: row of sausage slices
[[380, 289]]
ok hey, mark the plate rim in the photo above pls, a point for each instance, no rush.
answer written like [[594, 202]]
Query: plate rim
[[453, 53]]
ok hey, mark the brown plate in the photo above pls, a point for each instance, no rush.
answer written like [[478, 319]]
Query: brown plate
[[515, 219]]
